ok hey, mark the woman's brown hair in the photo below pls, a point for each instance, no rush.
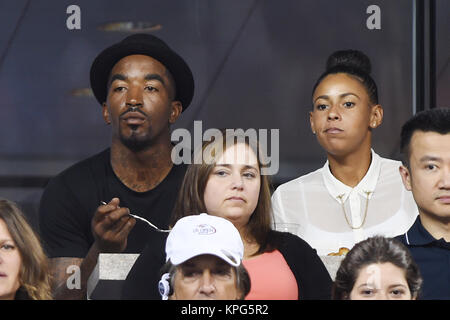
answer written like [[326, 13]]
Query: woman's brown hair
[[376, 249], [190, 198], [33, 275]]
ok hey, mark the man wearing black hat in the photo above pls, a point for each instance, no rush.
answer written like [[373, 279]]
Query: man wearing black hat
[[142, 86]]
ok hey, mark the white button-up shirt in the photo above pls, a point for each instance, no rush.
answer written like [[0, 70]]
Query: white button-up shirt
[[313, 206]]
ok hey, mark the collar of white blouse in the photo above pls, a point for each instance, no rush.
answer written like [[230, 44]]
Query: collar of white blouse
[[365, 188]]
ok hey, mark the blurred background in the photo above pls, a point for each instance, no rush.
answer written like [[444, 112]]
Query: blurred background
[[254, 64]]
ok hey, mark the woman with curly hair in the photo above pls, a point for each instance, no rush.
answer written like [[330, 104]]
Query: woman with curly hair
[[378, 268]]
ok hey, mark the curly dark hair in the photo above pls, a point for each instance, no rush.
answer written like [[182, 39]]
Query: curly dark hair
[[376, 249]]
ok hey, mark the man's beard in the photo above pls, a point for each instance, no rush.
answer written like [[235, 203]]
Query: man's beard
[[136, 143]]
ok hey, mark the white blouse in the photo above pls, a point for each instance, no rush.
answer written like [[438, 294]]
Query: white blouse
[[313, 207]]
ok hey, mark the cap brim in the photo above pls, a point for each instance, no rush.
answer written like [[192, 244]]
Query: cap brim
[[228, 257]]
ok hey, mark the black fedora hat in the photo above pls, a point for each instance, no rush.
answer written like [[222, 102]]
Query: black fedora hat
[[149, 45]]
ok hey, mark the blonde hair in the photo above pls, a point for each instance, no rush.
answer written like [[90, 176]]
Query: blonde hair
[[33, 275]]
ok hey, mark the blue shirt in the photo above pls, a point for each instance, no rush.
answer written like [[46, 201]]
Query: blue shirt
[[433, 258]]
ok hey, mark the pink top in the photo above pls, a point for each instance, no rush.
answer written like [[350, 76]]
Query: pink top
[[271, 278]]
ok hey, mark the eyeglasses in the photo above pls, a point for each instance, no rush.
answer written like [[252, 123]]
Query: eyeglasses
[[143, 219]]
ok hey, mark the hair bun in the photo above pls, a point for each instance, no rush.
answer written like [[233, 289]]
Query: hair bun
[[351, 59]]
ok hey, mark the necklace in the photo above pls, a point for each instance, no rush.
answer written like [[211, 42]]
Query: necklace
[[365, 211]]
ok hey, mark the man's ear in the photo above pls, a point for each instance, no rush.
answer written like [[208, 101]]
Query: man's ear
[[105, 113], [406, 177], [175, 112]]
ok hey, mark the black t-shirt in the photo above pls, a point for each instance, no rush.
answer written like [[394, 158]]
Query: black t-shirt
[[70, 200], [142, 280]]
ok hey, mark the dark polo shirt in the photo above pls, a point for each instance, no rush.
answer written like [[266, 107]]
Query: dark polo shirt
[[433, 258]]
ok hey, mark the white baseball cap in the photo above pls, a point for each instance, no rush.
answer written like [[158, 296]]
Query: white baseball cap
[[204, 234]]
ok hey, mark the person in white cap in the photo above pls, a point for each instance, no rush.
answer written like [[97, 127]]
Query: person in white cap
[[204, 261], [228, 182]]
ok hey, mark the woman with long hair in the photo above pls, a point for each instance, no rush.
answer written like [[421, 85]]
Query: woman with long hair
[[23, 264], [227, 181]]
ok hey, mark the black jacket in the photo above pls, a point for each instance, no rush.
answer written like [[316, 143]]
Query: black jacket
[[313, 280]]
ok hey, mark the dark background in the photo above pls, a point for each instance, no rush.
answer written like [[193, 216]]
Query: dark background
[[254, 64]]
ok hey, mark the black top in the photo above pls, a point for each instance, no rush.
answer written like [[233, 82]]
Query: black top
[[22, 294], [142, 280], [433, 258], [313, 279], [70, 200]]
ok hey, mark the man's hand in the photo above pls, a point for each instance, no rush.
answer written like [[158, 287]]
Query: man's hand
[[110, 226]]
